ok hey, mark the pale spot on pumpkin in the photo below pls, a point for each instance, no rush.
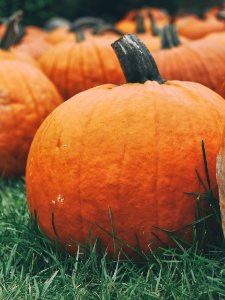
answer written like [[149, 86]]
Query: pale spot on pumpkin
[[60, 199], [4, 93]]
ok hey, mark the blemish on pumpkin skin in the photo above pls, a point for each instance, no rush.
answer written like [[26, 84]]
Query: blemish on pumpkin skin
[[58, 144], [59, 200]]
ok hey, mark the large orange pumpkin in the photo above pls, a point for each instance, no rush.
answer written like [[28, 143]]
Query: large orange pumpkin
[[132, 149], [26, 97]]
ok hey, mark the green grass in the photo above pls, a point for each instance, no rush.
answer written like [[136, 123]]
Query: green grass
[[31, 267]]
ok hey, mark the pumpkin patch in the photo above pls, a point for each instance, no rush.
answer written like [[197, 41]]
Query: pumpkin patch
[[112, 149], [108, 115]]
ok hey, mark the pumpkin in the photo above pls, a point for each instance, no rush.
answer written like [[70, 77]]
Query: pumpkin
[[141, 23], [29, 41], [26, 97], [195, 28], [213, 11], [218, 38], [60, 35], [197, 61], [75, 67], [7, 52], [34, 32], [124, 154], [34, 48], [158, 14], [66, 34]]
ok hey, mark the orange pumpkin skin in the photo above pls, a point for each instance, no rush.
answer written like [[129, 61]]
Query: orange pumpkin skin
[[213, 11], [33, 48], [12, 54], [35, 32], [194, 28], [75, 67], [132, 148], [129, 23], [60, 35], [27, 97], [32, 43]]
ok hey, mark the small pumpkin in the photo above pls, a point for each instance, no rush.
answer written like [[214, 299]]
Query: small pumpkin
[[197, 61], [213, 11], [132, 149], [195, 28], [26, 97], [17, 44], [8, 38], [141, 23], [92, 60], [66, 34], [28, 41]]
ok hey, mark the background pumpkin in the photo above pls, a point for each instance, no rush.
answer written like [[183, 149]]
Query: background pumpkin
[[7, 51], [197, 61], [194, 28], [75, 67], [69, 34], [26, 97], [132, 148]]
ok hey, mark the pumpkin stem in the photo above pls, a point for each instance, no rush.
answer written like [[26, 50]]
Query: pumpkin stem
[[169, 37], [140, 24], [85, 22], [102, 28], [221, 15], [200, 11], [154, 27], [12, 31], [136, 61], [80, 36]]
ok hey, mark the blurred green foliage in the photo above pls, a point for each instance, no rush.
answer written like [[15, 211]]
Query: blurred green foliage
[[38, 11]]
